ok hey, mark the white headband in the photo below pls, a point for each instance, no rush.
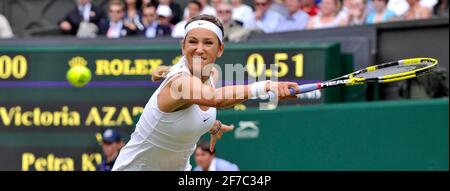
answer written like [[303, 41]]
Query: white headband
[[206, 25]]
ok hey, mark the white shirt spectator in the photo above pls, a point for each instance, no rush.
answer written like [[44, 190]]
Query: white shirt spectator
[[343, 13], [401, 6], [243, 13], [318, 24], [115, 29], [428, 3], [207, 10], [218, 164], [178, 30], [280, 8], [85, 11], [150, 32], [5, 28], [269, 22], [212, 166], [297, 21]]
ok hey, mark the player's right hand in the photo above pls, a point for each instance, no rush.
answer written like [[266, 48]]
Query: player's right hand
[[282, 89]]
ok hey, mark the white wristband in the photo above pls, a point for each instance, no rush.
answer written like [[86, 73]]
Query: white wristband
[[258, 89]]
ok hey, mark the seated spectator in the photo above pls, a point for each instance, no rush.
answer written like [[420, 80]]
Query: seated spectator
[[175, 7], [279, 7], [146, 2], [441, 8], [416, 11], [344, 10], [369, 5], [380, 13], [111, 145], [242, 12], [152, 28], [5, 28], [215, 3], [310, 7], [206, 9], [265, 19], [194, 8], [296, 19], [85, 12], [429, 3], [328, 17], [357, 13], [164, 16], [207, 160], [115, 27], [401, 6], [133, 13], [233, 30]]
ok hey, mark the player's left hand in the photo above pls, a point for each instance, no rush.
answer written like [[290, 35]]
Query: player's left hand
[[216, 133]]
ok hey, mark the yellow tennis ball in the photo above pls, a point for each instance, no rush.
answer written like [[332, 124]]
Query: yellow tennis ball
[[79, 76]]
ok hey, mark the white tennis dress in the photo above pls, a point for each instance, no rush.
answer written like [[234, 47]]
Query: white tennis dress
[[165, 141]]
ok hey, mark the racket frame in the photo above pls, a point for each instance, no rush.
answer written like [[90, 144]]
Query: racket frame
[[350, 80]]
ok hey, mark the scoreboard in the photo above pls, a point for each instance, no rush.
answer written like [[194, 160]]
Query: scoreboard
[[47, 124]]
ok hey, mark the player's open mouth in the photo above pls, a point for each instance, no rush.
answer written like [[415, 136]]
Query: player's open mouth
[[200, 58]]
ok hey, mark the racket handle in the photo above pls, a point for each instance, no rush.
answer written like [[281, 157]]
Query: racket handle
[[303, 89], [306, 88]]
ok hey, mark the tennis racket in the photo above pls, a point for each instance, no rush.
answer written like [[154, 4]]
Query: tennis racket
[[383, 73]]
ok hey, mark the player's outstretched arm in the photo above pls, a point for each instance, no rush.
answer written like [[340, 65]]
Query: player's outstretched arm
[[191, 90]]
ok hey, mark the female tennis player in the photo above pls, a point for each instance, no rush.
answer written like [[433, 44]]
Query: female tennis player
[[183, 108]]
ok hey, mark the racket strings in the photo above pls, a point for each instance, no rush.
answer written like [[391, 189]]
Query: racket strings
[[391, 70]]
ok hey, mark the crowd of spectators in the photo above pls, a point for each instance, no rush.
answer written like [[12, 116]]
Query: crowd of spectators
[[159, 18]]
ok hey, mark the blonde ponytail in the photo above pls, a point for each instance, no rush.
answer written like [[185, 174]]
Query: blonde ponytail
[[160, 73]]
